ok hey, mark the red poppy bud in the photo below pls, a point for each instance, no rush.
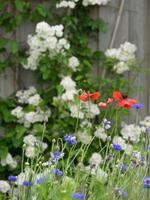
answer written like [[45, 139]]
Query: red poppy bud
[[102, 105]]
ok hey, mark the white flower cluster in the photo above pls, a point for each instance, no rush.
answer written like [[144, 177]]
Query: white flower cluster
[[30, 97], [67, 4], [70, 88], [95, 160], [84, 137], [131, 133], [100, 133], [4, 186], [10, 161], [86, 110], [73, 63], [125, 54], [145, 124], [47, 39], [95, 2], [33, 144]]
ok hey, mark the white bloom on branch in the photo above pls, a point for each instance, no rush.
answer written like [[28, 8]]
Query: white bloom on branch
[[68, 83], [69, 95], [66, 4], [18, 112], [73, 63], [48, 39], [121, 67], [95, 2], [34, 100]]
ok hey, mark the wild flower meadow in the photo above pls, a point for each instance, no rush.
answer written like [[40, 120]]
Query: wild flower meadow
[[119, 169]]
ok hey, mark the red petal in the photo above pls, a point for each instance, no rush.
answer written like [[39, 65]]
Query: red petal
[[84, 97], [94, 96], [117, 96]]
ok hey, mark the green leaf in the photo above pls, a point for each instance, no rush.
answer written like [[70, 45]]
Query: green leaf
[[3, 151], [19, 5], [3, 42], [16, 142], [41, 10], [20, 130], [13, 46]]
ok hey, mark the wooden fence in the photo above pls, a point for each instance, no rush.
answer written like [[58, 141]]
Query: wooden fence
[[134, 27]]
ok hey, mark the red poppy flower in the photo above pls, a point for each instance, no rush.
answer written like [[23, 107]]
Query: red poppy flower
[[84, 97], [123, 102], [102, 105], [94, 96], [89, 96]]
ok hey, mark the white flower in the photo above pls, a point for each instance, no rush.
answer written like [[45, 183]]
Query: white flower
[[84, 137], [131, 133], [34, 100], [18, 112], [95, 160], [112, 53], [30, 140], [95, 2], [9, 161], [91, 109], [68, 83], [68, 95], [23, 95], [43, 29], [30, 152], [76, 112], [66, 4], [4, 186], [145, 124], [128, 47], [121, 67], [73, 63], [100, 133]]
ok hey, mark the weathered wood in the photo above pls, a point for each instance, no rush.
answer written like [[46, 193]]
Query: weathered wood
[[133, 28]]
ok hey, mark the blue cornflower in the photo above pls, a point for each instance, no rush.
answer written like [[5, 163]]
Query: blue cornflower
[[27, 183], [148, 130], [57, 155], [12, 178], [58, 172], [71, 140], [78, 196], [121, 192], [40, 181], [117, 147], [147, 182], [138, 106]]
